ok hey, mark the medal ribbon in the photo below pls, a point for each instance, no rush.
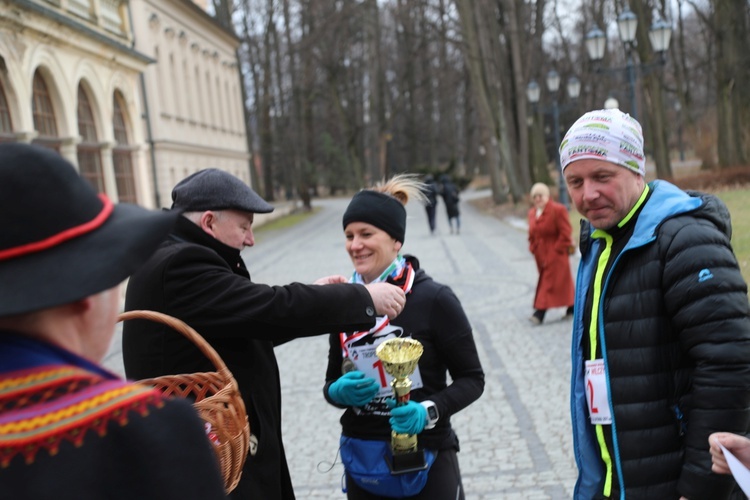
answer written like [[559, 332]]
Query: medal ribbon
[[395, 273]]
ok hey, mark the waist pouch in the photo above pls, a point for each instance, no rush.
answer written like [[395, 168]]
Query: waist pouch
[[367, 463]]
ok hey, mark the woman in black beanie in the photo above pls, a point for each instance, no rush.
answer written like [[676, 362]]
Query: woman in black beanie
[[375, 227]]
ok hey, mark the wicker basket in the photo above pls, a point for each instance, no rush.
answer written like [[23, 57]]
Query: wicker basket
[[216, 395]]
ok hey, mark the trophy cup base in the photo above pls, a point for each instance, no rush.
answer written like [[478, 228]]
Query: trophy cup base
[[406, 462]]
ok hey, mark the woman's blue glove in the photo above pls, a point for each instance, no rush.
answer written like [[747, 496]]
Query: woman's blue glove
[[353, 389], [409, 418]]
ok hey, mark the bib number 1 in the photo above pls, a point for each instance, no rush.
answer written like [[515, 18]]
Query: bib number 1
[[368, 363]]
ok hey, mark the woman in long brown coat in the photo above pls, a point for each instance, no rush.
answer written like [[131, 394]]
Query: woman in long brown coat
[[550, 240]]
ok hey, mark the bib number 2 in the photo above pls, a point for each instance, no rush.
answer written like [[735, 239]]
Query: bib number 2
[[597, 396]]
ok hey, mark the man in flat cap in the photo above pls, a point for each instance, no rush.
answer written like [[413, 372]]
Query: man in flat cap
[[68, 427], [198, 276], [661, 334]]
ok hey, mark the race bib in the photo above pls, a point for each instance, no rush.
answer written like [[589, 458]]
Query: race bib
[[367, 362], [597, 396]]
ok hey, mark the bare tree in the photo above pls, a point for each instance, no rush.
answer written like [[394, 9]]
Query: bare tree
[[340, 93], [223, 12], [266, 104], [653, 90], [487, 132], [516, 81], [730, 25]]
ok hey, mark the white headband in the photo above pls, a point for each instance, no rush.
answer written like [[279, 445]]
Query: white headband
[[608, 135]]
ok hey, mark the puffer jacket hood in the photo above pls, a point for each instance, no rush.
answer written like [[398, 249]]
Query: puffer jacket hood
[[715, 211]]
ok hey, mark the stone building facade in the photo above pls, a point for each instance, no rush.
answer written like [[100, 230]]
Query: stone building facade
[[137, 94], [193, 92]]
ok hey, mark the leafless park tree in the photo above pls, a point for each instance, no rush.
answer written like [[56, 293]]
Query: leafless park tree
[[340, 93]]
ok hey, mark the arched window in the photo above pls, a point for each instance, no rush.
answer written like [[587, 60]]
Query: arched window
[[6, 124], [122, 155], [45, 122], [89, 152]]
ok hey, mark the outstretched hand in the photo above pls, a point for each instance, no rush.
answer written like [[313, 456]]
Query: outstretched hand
[[388, 299]]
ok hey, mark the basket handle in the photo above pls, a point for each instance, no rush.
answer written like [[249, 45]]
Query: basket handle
[[184, 329]]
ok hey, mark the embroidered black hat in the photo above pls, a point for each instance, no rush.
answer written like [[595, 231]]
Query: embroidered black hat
[[214, 189], [379, 209], [61, 241]]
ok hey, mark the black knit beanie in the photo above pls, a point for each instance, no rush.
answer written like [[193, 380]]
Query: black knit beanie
[[379, 209]]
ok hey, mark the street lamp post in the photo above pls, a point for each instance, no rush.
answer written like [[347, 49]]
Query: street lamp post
[[627, 22], [678, 108], [626, 25], [553, 85]]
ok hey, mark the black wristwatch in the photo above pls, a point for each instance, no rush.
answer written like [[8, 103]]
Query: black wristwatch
[[432, 414]]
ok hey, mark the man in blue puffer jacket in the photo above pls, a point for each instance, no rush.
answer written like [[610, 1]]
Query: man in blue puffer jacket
[[661, 333]]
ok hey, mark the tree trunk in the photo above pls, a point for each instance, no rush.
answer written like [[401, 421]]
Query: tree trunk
[[515, 45], [486, 126], [266, 125], [349, 132], [224, 16], [446, 95], [374, 146], [498, 85], [731, 73], [252, 64], [653, 94], [297, 130]]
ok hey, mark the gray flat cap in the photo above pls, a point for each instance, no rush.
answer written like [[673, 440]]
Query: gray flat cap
[[214, 189]]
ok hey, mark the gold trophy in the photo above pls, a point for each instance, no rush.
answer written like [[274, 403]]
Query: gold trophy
[[399, 357]]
